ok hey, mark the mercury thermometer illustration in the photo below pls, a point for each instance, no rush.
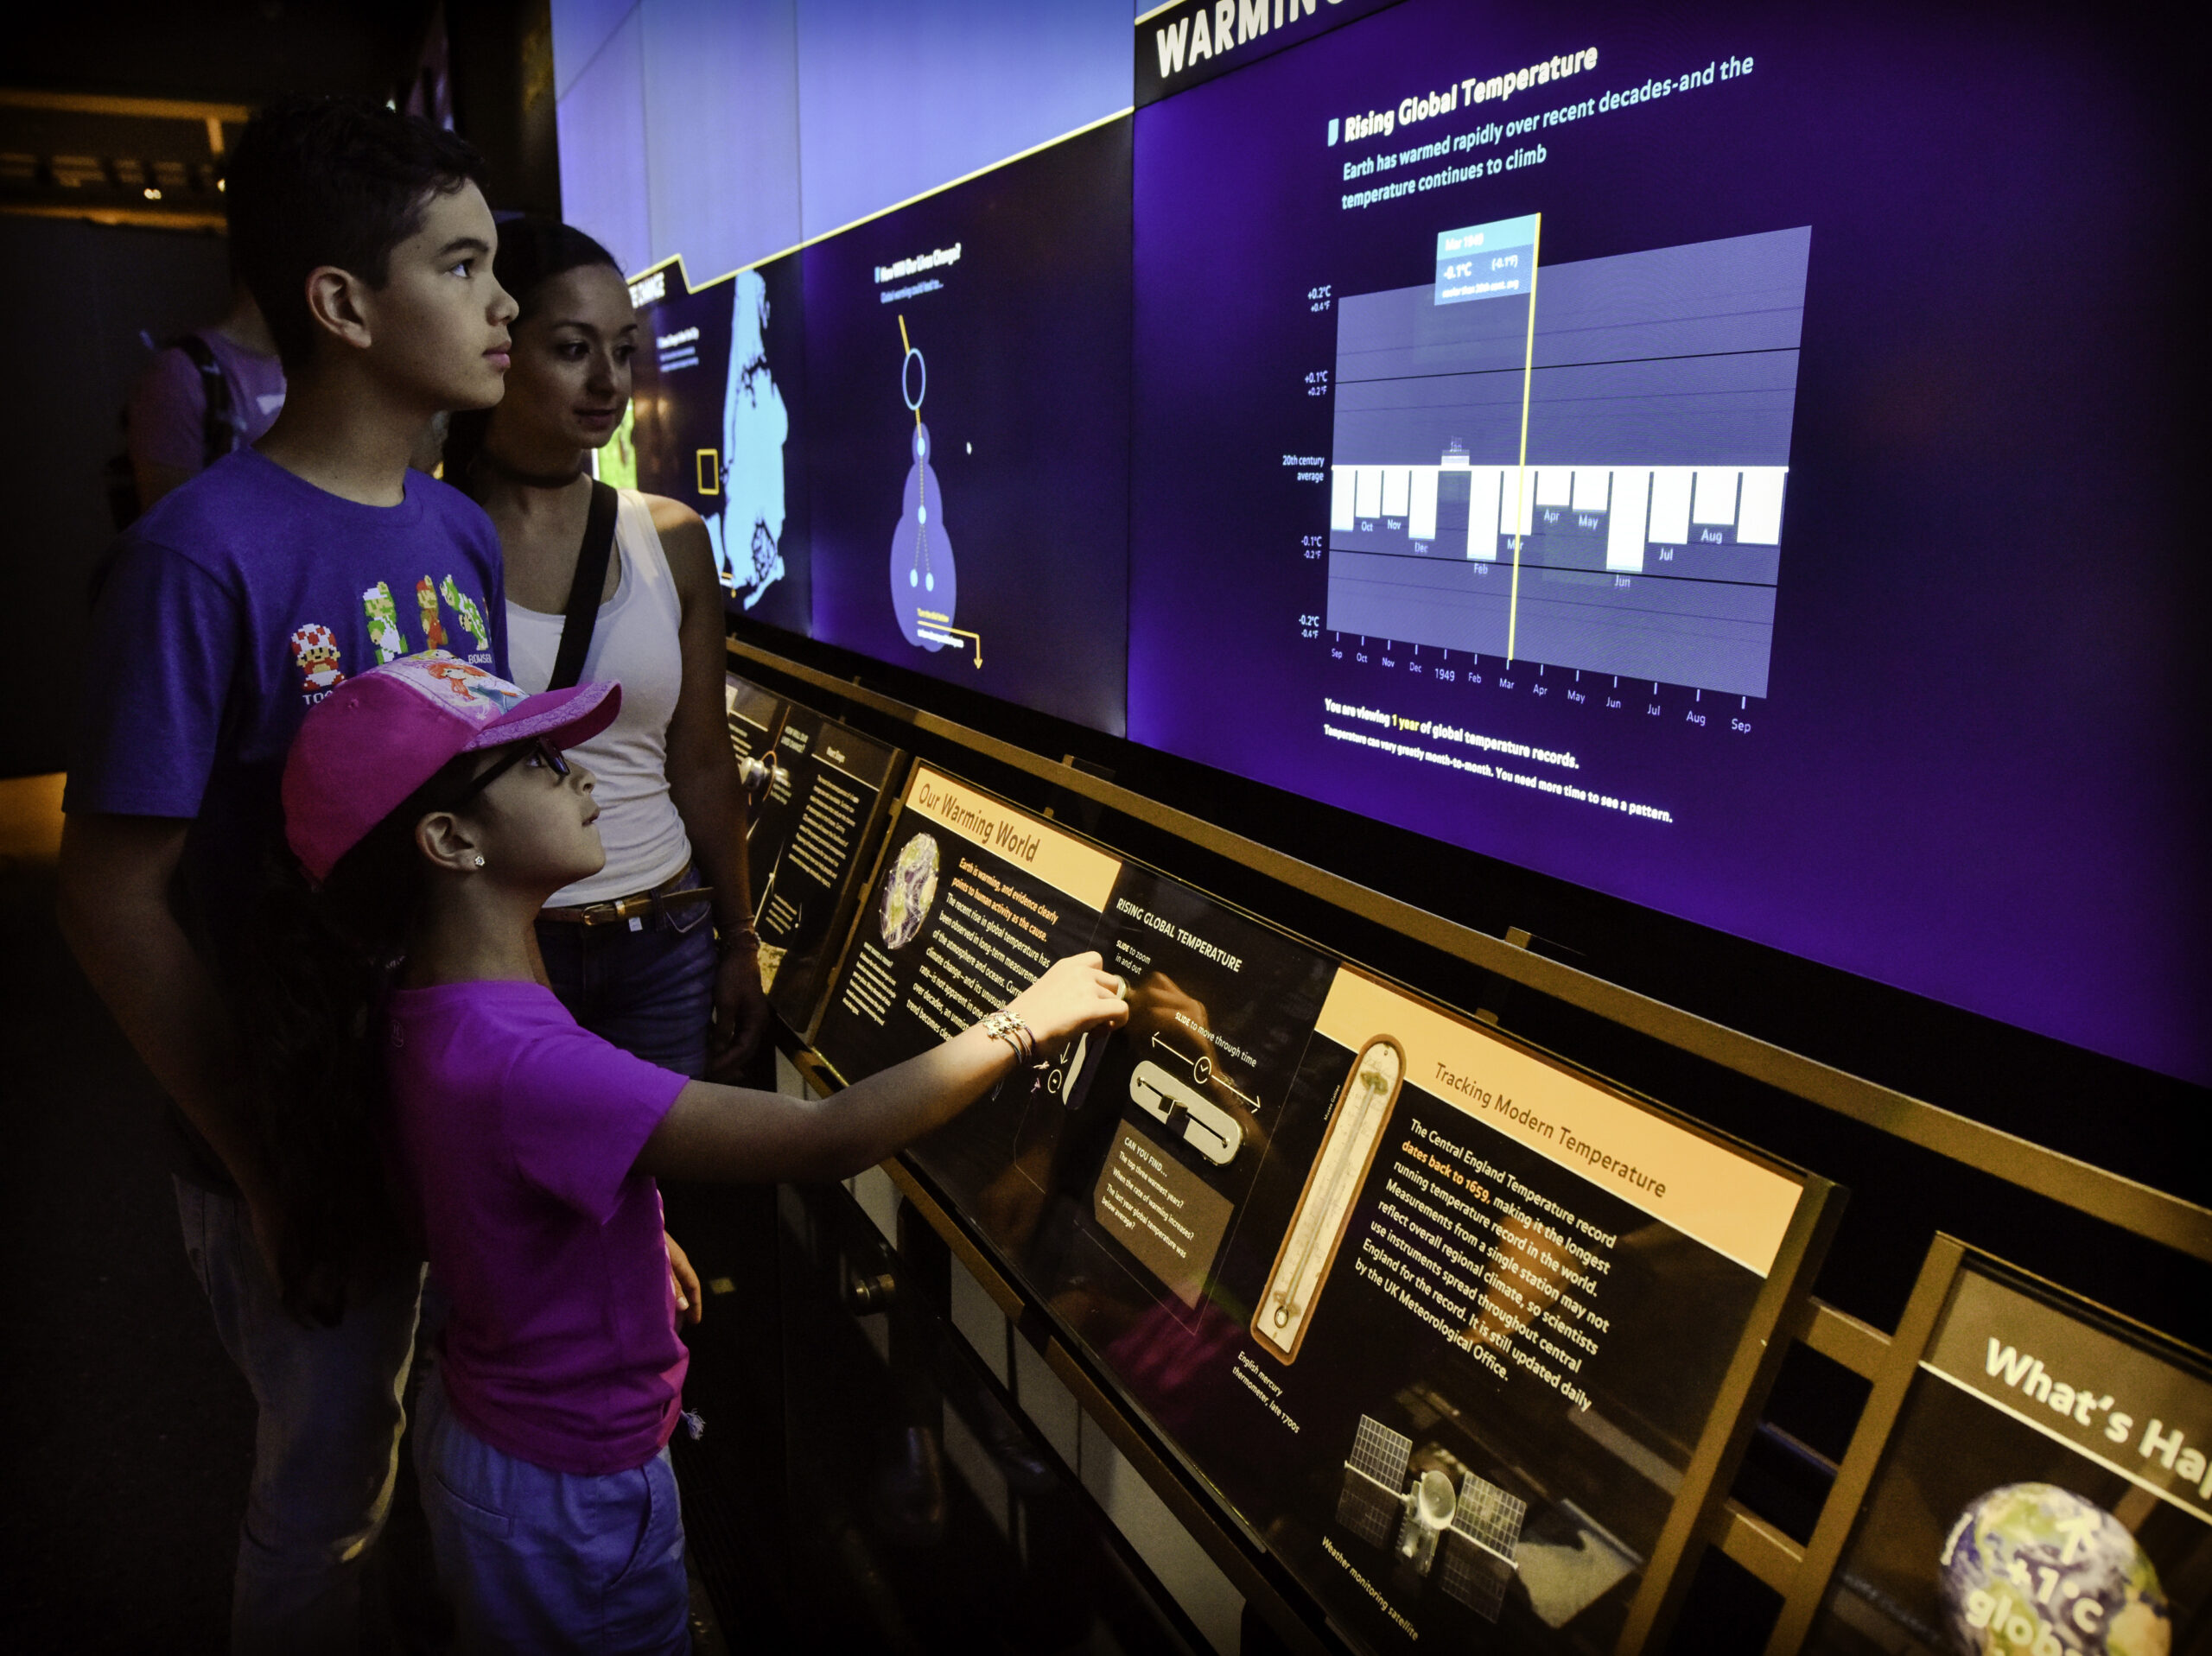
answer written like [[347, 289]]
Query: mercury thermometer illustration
[[1316, 1228], [925, 586]]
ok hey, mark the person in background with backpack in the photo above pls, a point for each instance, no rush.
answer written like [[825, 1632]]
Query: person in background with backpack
[[216, 389]]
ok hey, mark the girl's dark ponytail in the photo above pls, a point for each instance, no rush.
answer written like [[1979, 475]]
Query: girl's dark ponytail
[[319, 966]]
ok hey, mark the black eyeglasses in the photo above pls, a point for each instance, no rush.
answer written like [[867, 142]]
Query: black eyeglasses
[[539, 752]]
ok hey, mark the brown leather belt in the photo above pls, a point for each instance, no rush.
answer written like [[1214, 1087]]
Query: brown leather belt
[[662, 897]]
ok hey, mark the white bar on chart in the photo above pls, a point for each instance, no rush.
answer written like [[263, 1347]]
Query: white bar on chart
[[1716, 495], [1554, 486], [1369, 502], [1670, 505], [1625, 529], [1758, 521], [1481, 513], [1590, 488], [1455, 457], [1341, 490], [1420, 510], [1518, 489], [1396, 484]]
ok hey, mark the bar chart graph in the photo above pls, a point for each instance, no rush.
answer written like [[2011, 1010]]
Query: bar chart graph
[[1645, 526]]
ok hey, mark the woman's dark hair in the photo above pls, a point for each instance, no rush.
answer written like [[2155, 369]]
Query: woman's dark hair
[[330, 180], [532, 251], [320, 965]]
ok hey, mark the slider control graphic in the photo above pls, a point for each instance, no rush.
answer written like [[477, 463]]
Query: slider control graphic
[[1176, 1103], [1317, 1229], [925, 587], [1381, 1492]]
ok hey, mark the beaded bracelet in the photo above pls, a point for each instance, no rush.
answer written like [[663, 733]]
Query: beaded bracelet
[[1008, 1026]]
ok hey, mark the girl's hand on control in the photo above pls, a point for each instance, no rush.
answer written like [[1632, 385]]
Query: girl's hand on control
[[1074, 994]]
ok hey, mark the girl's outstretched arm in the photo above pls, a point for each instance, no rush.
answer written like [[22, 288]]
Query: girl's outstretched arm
[[731, 1134]]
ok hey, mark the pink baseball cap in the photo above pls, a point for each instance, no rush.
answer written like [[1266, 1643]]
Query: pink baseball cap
[[380, 735]]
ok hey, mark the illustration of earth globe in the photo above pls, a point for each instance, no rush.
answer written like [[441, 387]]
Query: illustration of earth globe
[[908, 889], [2033, 1569]]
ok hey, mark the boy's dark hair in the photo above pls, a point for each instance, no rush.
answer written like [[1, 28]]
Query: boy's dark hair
[[330, 180], [532, 251]]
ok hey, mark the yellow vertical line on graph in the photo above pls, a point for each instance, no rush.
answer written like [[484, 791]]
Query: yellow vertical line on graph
[[1521, 482], [909, 345]]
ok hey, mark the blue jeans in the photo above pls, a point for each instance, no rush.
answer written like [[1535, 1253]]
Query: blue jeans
[[326, 1439], [539, 1562], [650, 992]]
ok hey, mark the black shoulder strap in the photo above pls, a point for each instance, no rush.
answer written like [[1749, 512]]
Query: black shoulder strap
[[218, 432], [582, 613]]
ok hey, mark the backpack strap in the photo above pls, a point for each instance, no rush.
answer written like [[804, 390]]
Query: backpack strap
[[580, 619], [218, 433]]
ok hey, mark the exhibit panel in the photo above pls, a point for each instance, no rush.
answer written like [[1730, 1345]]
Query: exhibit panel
[[717, 421], [1451, 1346], [1461, 1334], [840, 800], [2031, 1479], [755, 717], [973, 900]]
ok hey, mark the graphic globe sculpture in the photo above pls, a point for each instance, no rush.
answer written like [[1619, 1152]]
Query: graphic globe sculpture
[[2033, 1569]]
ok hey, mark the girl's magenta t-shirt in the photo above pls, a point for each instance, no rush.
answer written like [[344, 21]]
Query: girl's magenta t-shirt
[[517, 1131]]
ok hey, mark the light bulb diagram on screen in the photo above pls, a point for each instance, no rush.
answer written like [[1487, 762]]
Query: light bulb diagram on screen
[[747, 530], [925, 584]]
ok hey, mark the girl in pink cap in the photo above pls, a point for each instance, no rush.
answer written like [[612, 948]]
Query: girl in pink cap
[[433, 815]]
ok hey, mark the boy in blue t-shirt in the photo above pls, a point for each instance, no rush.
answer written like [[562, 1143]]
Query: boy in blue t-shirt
[[231, 606]]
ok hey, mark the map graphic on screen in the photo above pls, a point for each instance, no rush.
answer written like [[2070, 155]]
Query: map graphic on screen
[[718, 422], [747, 528]]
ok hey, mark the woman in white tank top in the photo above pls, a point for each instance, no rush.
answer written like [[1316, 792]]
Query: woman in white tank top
[[633, 957]]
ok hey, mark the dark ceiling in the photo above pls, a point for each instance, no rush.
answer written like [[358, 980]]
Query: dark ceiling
[[230, 51], [118, 110]]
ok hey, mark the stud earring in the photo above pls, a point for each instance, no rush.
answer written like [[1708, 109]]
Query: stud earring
[[480, 860]]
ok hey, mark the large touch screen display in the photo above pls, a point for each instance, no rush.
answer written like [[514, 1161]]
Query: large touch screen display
[[967, 362], [1732, 464]]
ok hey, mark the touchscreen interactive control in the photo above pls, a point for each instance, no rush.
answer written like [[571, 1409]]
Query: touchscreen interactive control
[[1628, 453]]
